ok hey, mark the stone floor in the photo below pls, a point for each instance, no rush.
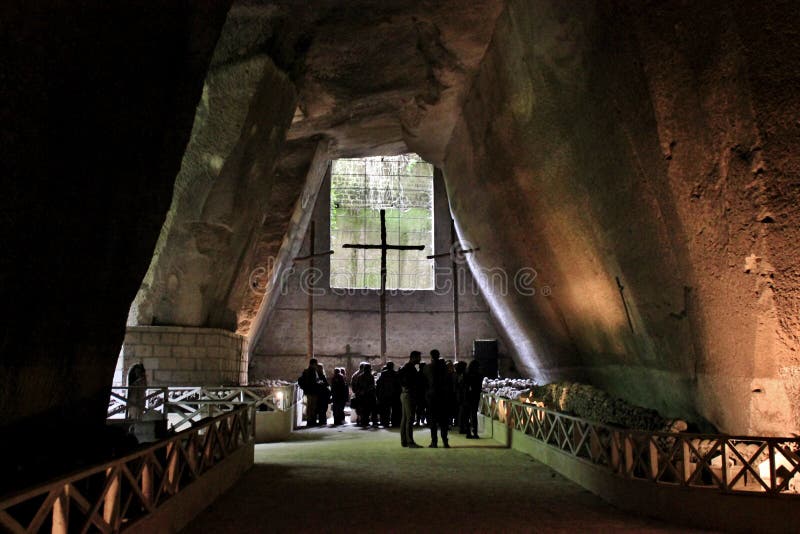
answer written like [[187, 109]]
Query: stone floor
[[352, 480]]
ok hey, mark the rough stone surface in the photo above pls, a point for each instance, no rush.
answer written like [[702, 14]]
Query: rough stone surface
[[96, 110], [270, 258], [386, 77], [226, 185], [654, 142], [643, 142], [421, 60]]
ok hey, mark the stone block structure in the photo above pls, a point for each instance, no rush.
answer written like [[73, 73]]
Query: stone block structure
[[183, 356]]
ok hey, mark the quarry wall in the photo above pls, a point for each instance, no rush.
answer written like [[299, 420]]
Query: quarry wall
[[635, 157]]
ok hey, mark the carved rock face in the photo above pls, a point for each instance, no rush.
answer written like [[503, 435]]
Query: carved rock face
[[95, 118], [582, 145], [387, 77], [645, 146], [657, 145], [373, 77]]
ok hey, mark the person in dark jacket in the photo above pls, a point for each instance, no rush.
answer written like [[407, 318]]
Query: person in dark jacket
[[409, 380], [438, 394], [364, 391], [387, 389], [340, 394], [462, 418], [474, 381], [354, 387], [452, 403], [308, 383], [323, 396], [421, 403]]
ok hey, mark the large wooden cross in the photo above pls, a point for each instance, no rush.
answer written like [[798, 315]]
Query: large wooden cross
[[310, 287], [383, 247], [455, 250]]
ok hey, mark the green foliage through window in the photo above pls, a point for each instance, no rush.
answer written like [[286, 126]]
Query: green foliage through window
[[360, 188]]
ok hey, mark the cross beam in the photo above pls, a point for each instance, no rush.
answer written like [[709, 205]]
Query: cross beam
[[383, 247], [310, 317], [453, 253]]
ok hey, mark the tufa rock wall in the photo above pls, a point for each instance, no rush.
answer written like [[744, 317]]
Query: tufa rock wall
[[223, 190], [648, 143], [96, 111]]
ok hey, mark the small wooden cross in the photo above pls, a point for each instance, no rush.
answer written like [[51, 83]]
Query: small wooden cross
[[383, 247], [455, 249], [310, 258]]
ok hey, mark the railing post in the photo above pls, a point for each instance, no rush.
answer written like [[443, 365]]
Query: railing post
[[615, 447], [628, 455], [508, 420], [653, 458], [60, 524], [191, 452], [111, 502], [147, 482], [773, 480], [724, 452], [594, 444], [172, 467], [208, 449], [687, 462], [576, 437]]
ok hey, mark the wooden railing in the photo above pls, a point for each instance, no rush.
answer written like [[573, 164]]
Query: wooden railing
[[741, 464], [183, 405], [112, 496]]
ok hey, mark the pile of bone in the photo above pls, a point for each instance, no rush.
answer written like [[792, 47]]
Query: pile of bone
[[594, 404], [271, 383], [511, 388]]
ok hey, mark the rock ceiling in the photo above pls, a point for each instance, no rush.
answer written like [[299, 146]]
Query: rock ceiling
[[376, 77]]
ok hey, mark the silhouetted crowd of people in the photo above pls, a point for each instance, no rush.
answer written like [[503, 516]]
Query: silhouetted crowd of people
[[438, 394]]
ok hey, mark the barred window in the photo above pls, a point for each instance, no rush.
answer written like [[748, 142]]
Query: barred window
[[360, 188]]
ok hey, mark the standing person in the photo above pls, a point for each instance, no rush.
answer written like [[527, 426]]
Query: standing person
[[397, 406], [308, 383], [323, 396], [438, 394], [340, 394], [421, 401], [408, 388], [354, 384], [364, 390], [452, 403], [474, 380], [461, 398], [387, 388]]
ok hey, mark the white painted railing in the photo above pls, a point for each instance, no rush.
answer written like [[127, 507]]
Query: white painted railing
[[113, 496], [183, 405], [740, 464]]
